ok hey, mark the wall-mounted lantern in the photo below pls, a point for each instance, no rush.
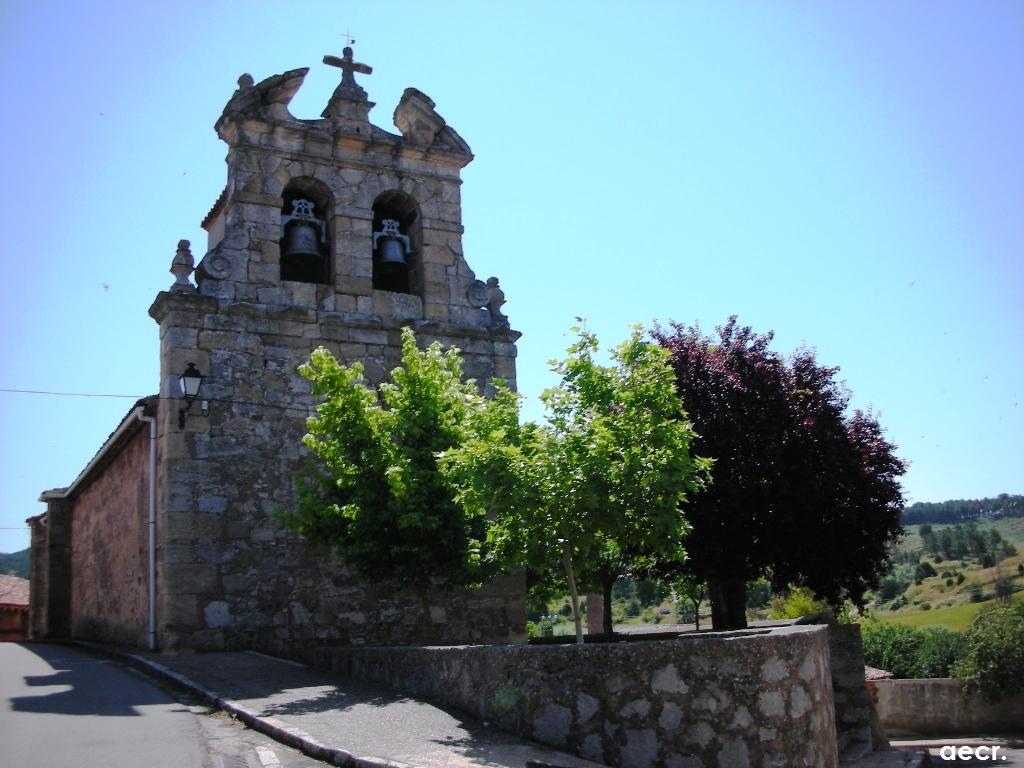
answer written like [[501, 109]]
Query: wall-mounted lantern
[[189, 381]]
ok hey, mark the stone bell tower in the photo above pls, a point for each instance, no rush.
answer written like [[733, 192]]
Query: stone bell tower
[[329, 232]]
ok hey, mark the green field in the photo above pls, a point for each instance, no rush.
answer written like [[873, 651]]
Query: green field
[[956, 618]]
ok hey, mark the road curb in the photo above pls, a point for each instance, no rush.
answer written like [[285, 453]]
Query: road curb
[[285, 734]]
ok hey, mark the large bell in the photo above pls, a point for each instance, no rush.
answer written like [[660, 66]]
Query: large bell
[[302, 239], [391, 254], [390, 268]]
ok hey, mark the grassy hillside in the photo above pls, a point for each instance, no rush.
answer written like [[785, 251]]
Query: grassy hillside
[[959, 588], [15, 563]]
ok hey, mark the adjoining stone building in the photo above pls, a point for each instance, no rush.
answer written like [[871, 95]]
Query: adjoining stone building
[[330, 232]]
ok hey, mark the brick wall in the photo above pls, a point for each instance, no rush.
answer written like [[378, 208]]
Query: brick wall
[[109, 544]]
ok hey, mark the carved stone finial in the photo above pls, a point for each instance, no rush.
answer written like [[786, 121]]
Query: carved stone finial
[[245, 81], [495, 300], [182, 266]]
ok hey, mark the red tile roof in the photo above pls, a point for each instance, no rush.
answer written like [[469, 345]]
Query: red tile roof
[[13, 591], [870, 673]]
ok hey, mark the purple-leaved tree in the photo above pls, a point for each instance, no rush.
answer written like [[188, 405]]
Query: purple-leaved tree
[[801, 492]]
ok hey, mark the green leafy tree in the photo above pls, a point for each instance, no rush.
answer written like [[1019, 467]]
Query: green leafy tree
[[598, 488], [993, 665], [693, 592], [373, 489]]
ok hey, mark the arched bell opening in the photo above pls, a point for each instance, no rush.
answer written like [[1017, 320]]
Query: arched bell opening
[[397, 236], [305, 241]]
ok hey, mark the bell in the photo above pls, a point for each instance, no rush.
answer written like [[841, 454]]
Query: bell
[[390, 253], [390, 269], [302, 239]]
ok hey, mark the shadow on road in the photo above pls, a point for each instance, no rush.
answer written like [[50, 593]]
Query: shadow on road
[[88, 685]]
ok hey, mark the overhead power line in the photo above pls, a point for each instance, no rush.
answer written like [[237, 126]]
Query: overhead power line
[[278, 406], [66, 394]]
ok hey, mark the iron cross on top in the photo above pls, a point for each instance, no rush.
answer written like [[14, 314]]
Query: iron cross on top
[[347, 66]]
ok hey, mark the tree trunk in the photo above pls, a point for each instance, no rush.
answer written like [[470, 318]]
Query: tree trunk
[[728, 603], [606, 595], [567, 562]]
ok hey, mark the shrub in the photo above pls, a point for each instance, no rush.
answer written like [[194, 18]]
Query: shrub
[[993, 664], [908, 652], [923, 571], [960, 578], [797, 603], [890, 588]]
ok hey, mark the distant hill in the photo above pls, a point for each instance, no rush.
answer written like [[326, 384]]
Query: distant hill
[[15, 564], [963, 510]]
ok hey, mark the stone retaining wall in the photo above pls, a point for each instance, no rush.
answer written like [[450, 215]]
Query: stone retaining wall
[[754, 698], [937, 706]]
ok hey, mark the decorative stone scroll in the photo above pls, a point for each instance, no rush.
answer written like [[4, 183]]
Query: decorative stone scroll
[[488, 296]]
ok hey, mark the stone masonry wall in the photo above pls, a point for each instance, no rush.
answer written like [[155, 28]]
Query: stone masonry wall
[[938, 707], [231, 575], [728, 700], [109, 542]]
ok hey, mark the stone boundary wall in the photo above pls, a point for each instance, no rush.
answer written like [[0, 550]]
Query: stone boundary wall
[[938, 707], [751, 698]]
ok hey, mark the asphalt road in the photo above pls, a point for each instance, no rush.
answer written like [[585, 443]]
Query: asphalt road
[[63, 708]]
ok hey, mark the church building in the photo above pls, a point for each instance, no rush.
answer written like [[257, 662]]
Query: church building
[[329, 232]]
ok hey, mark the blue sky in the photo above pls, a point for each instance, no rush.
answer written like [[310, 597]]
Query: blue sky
[[849, 175]]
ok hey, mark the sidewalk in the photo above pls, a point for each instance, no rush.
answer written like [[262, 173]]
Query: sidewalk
[[350, 723], [342, 721]]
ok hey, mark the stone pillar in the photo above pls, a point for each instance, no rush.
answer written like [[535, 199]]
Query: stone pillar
[[183, 577], [851, 701], [38, 568]]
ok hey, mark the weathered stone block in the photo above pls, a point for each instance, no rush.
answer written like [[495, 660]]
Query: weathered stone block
[[190, 578], [435, 311], [551, 725], [368, 336]]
